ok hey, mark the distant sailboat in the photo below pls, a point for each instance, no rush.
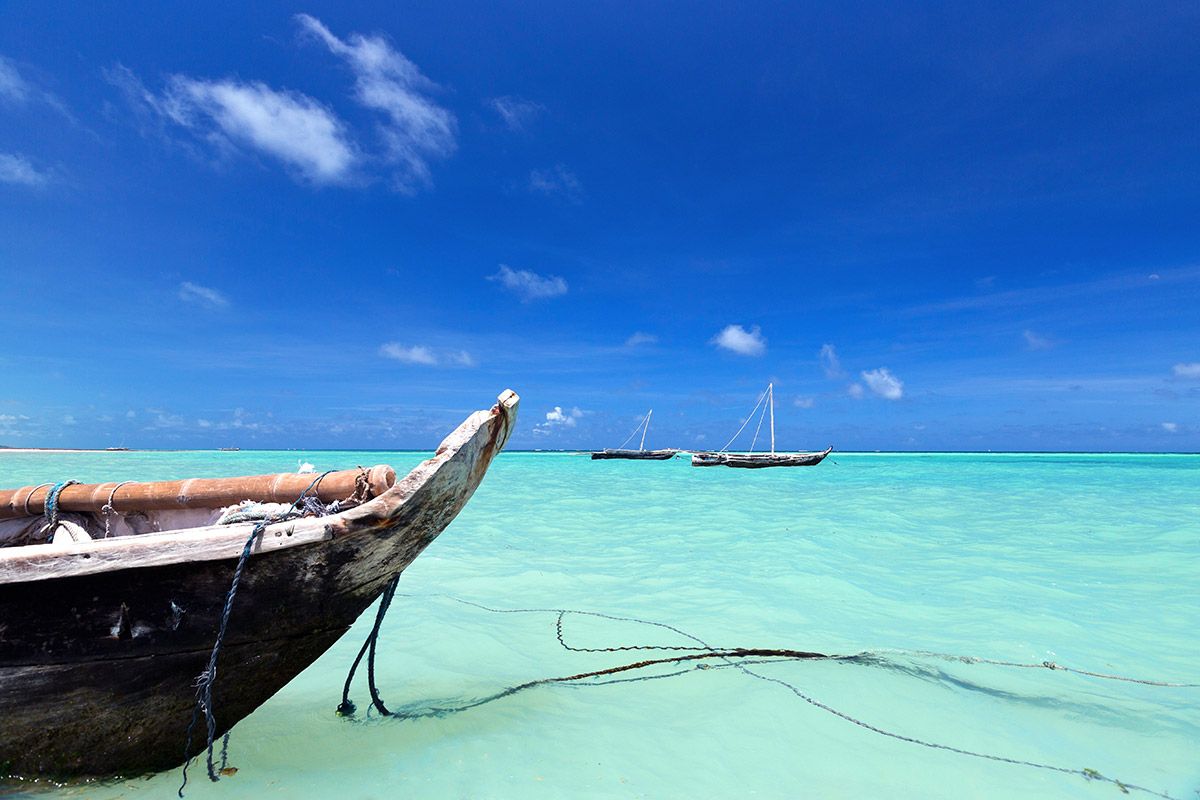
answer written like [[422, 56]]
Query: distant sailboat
[[641, 453], [752, 460]]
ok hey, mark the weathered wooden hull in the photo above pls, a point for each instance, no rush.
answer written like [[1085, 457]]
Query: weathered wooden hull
[[758, 460], [641, 455], [97, 669]]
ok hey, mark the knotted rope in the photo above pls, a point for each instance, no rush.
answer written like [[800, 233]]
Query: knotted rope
[[50, 507]]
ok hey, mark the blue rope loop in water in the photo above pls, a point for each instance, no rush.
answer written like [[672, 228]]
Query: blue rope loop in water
[[206, 679], [50, 507]]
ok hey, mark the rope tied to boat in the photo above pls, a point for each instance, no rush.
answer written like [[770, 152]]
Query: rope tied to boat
[[50, 507], [107, 509], [206, 679]]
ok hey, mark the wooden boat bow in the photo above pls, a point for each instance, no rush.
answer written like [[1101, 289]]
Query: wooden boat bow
[[101, 640]]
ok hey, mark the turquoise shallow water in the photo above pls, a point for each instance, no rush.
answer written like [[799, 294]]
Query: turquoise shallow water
[[1091, 561]]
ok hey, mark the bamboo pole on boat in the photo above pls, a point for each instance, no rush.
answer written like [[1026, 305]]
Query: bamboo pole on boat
[[642, 446], [195, 492]]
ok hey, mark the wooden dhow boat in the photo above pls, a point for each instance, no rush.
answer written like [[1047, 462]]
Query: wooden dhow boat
[[641, 453], [752, 460], [757, 460], [105, 628]]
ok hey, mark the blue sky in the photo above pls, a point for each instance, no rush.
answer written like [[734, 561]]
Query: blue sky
[[947, 227]]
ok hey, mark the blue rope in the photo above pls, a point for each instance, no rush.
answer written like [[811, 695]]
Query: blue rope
[[206, 679], [50, 507]]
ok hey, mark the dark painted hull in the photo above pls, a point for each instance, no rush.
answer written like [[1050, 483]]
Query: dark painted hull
[[758, 460], [640, 455], [97, 670]]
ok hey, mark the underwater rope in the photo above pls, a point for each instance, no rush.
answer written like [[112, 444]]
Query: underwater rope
[[206, 679], [734, 658]]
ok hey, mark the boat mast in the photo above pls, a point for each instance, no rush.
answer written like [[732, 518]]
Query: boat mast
[[771, 392], [642, 446]]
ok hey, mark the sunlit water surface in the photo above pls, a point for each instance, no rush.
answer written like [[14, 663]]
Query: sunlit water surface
[[1091, 561]]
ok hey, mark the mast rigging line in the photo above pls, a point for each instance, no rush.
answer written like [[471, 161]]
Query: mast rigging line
[[644, 421], [761, 397]]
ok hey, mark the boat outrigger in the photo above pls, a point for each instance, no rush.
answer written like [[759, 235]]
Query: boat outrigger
[[641, 453], [112, 595], [752, 460]]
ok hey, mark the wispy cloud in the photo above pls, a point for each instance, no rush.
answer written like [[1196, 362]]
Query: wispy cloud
[[202, 295], [19, 170], [640, 338], [529, 285], [830, 363], [804, 402], [558, 418], [1170, 427], [417, 128], [883, 383], [416, 354], [556, 181], [1035, 341], [1017, 298], [426, 356], [1191, 370], [233, 116], [289, 126], [515, 112], [16, 90], [737, 339], [304, 134], [13, 88], [855, 390]]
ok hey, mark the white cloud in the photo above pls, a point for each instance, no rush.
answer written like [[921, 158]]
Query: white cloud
[[68, 419], [804, 402], [855, 390], [1191, 370], [529, 285], [427, 356], [417, 354], [884, 383], [17, 169], [417, 128], [514, 112], [829, 361], [640, 338], [16, 90], [1035, 342], [1170, 427], [738, 340], [559, 418], [13, 87], [556, 181], [288, 126], [202, 295]]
